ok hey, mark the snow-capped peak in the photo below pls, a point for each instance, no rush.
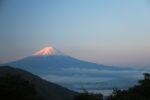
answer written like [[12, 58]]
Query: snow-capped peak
[[48, 51]]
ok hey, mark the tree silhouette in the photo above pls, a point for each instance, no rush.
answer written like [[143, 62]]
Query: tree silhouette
[[88, 96], [138, 92]]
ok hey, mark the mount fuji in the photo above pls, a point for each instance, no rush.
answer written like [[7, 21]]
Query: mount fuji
[[50, 59], [53, 65]]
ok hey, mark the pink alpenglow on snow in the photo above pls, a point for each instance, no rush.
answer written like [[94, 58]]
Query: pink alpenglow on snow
[[48, 51]]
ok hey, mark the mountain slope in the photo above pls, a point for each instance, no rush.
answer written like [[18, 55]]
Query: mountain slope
[[45, 64], [46, 89]]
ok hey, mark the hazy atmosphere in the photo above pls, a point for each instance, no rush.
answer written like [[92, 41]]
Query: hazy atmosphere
[[110, 32], [74, 49]]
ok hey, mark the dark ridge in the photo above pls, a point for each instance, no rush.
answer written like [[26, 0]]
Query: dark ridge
[[46, 89]]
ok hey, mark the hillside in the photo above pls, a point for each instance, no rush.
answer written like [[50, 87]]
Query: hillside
[[46, 89]]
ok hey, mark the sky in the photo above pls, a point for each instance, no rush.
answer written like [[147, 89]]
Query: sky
[[110, 32]]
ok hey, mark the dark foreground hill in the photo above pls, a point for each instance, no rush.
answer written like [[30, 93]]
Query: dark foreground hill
[[46, 89]]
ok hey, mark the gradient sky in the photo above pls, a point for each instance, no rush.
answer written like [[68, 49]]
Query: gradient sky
[[111, 32]]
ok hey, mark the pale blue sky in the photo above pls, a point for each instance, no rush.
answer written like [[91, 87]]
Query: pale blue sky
[[111, 32]]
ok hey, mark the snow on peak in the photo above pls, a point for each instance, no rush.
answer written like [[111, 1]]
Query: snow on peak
[[47, 51]]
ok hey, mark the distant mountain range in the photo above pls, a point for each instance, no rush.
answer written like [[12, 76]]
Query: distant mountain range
[[46, 89], [55, 66]]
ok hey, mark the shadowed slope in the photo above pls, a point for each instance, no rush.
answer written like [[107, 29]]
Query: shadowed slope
[[46, 89]]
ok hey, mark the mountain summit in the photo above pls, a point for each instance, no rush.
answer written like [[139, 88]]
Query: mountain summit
[[48, 51]]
